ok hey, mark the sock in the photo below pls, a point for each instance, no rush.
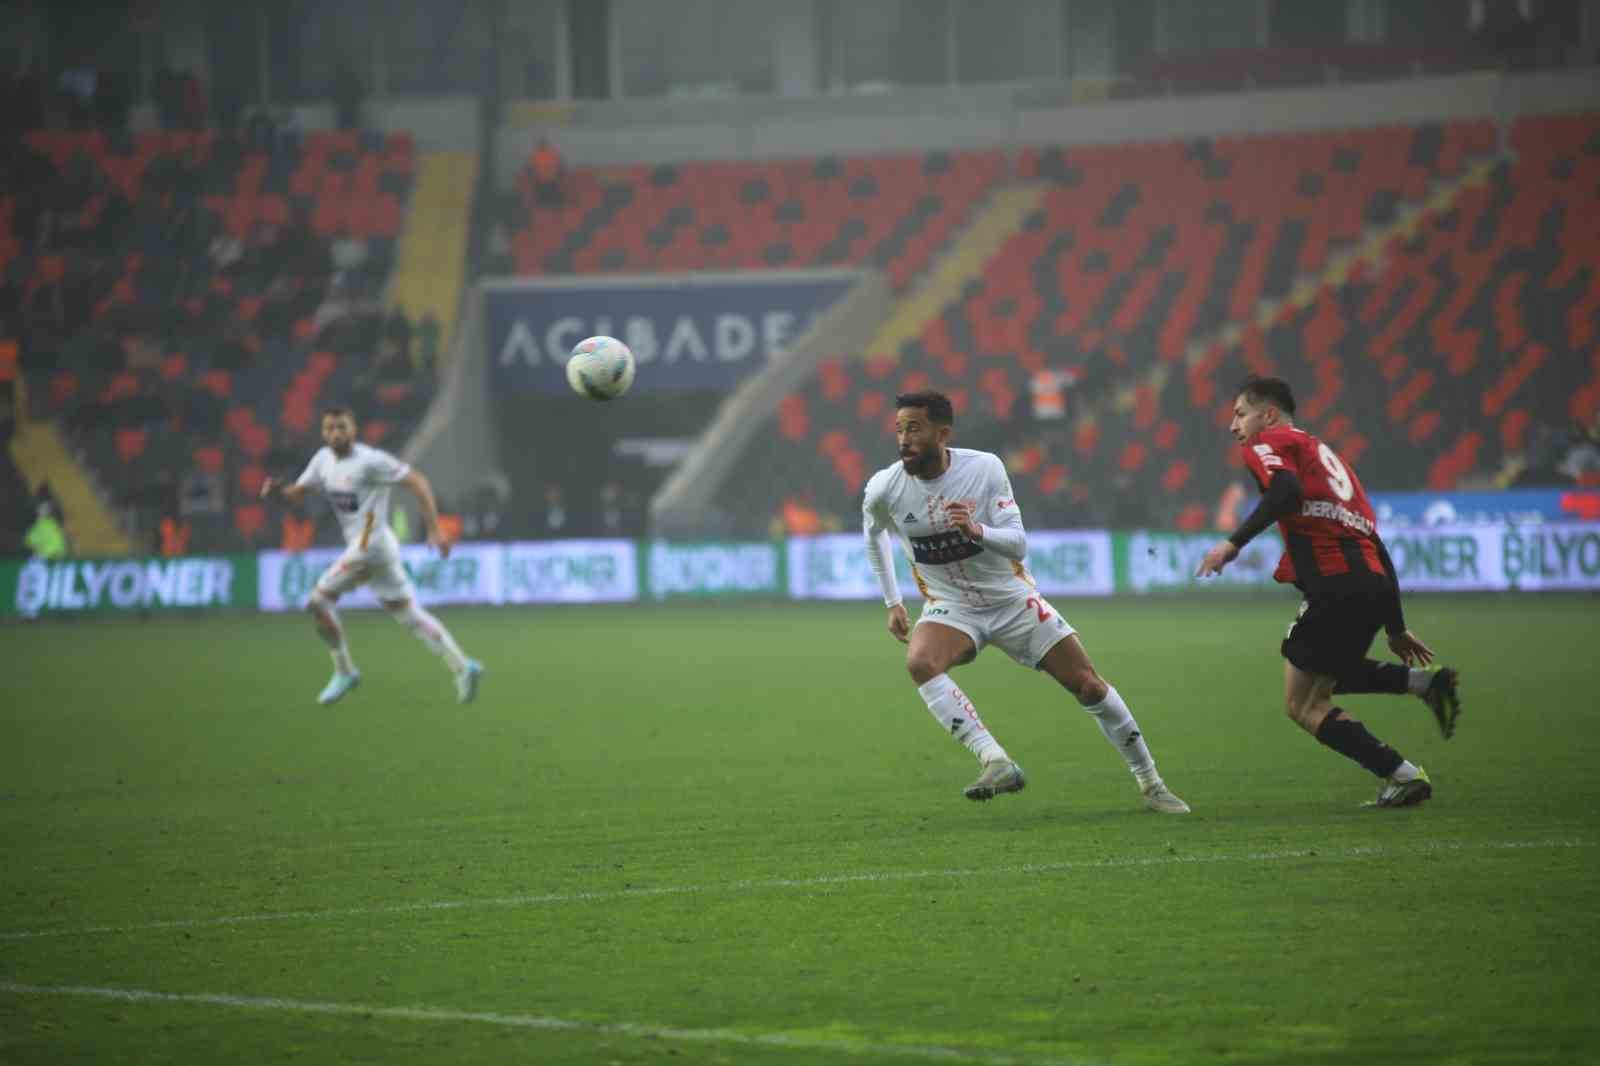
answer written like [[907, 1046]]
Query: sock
[[950, 706], [432, 632], [1373, 676], [1350, 738], [1405, 771], [335, 642], [1417, 681], [1122, 733]]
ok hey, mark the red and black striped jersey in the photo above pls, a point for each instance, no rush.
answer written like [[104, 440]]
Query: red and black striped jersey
[[1334, 531]]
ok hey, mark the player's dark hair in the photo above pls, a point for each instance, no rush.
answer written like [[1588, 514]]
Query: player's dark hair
[[1268, 390], [937, 404], [338, 411]]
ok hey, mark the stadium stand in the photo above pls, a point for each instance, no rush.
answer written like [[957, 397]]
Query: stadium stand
[[1100, 346], [186, 299], [893, 212]]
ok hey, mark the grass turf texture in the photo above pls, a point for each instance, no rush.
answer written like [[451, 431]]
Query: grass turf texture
[[738, 829]]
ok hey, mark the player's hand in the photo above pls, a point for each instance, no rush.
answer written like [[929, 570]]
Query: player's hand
[[1409, 649], [960, 514], [441, 543], [1221, 554], [270, 485], [899, 623]]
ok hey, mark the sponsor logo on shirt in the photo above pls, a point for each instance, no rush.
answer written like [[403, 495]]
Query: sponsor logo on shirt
[[944, 548], [344, 501]]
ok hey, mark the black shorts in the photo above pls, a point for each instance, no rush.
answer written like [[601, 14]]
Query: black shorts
[[1334, 629]]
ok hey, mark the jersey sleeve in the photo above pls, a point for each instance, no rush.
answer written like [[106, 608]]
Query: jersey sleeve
[[1002, 519], [874, 516], [1267, 453], [875, 530], [311, 476], [385, 469]]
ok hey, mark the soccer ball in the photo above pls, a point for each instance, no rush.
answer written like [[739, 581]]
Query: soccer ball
[[600, 368]]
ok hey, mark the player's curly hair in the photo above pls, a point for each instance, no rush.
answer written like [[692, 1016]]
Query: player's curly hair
[[937, 404], [1268, 390]]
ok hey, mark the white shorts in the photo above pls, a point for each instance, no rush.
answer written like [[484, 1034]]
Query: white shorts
[[380, 570], [1024, 629]]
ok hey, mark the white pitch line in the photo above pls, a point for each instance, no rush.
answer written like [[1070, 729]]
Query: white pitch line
[[881, 877], [634, 1030]]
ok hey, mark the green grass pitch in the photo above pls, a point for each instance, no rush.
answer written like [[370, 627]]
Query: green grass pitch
[[734, 834]]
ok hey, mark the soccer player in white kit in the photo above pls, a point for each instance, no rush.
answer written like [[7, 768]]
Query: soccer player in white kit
[[956, 518], [356, 479]]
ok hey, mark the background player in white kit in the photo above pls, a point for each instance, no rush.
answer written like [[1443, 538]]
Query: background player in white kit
[[356, 479], [958, 522]]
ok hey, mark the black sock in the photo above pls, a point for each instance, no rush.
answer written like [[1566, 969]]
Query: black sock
[[1350, 738], [1373, 676]]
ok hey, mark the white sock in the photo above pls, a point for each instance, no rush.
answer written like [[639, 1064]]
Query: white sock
[[1122, 733], [1405, 772], [432, 632], [342, 663], [1417, 681], [950, 706]]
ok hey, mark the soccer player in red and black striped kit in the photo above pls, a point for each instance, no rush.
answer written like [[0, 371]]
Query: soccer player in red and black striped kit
[[1333, 554]]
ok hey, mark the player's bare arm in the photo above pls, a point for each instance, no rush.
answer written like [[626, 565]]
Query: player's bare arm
[[1281, 498], [422, 489], [287, 490], [900, 623]]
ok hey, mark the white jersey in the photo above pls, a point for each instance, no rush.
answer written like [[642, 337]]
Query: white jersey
[[357, 487], [946, 563]]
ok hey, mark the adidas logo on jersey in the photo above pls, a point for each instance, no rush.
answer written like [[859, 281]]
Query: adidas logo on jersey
[[910, 516]]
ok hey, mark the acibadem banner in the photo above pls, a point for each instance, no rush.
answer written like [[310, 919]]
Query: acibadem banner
[[66, 586]]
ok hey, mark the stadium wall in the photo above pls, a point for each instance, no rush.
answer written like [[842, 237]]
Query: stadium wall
[[975, 117]]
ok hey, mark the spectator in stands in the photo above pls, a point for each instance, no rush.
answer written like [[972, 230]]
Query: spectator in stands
[[427, 354], [166, 90], [554, 520], [500, 261], [45, 496], [547, 166], [193, 95], [77, 84], [1505, 31], [1581, 461], [612, 520], [46, 538], [800, 517], [486, 507], [261, 130], [200, 493], [400, 523], [397, 331], [347, 94], [298, 530], [176, 532]]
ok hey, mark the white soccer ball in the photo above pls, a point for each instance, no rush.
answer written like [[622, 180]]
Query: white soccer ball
[[600, 368]]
